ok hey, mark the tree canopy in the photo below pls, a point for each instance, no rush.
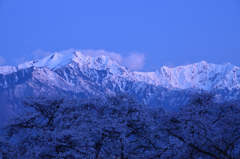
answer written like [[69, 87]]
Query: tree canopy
[[121, 127]]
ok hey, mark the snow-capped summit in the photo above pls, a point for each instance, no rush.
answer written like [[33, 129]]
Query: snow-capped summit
[[57, 61], [201, 75], [7, 70], [85, 76], [53, 61]]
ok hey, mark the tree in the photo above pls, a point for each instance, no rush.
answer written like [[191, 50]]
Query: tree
[[59, 127], [121, 127], [205, 128], [38, 133], [139, 136]]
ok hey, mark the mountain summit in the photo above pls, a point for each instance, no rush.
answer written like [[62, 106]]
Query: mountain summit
[[202, 75], [85, 76]]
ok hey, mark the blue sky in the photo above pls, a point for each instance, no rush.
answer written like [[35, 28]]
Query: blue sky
[[140, 34]]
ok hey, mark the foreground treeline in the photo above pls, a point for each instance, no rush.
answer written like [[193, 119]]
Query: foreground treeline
[[121, 127]]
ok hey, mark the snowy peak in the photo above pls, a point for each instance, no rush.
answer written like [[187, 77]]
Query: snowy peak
[[7, 70], [55, 60], [58, 61], [98, 63], [201, 75]]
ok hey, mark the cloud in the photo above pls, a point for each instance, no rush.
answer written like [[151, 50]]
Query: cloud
[[2, 60], [38, 54], [18, 61], [67, 51], [35, 55], [115, 56], [185, 63], [134, 61], [169, 64]]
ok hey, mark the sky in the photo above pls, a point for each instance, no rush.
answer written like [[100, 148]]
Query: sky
[[142, 35]]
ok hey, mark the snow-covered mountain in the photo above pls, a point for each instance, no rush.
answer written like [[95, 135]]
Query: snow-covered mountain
[[81, 75], [200, 75]]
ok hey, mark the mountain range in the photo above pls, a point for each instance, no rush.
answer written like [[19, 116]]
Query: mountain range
[[84, 76]]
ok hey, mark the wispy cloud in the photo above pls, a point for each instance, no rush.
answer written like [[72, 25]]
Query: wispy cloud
[[38, 54], [134, 61], [169, 64], [115, 56], [19, 60], [2, 60], [35, 55], [185, 63]]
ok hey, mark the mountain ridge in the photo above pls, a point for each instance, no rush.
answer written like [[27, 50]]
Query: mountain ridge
[[85, 76], [201, 75]]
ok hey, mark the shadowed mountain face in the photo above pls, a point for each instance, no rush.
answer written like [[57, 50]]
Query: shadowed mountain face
[[84, 76]]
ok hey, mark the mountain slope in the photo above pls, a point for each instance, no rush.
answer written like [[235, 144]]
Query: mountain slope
[[84, 76], [199, 75]]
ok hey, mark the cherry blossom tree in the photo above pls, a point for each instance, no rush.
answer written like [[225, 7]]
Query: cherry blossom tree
[[116, 126], [206, 129], [121, 127]]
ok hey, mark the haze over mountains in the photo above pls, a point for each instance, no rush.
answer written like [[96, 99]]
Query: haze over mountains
[[85, 76]]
